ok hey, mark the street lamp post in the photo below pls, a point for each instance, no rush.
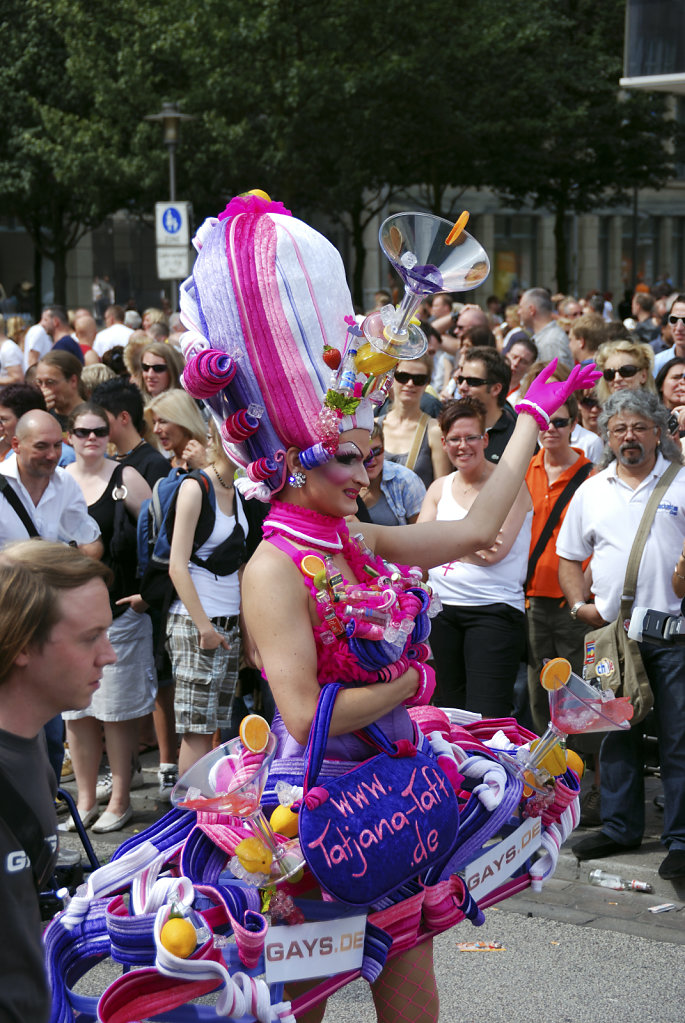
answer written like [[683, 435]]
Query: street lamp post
[[171, 117]]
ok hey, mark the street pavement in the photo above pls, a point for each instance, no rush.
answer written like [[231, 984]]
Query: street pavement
[[573, 953]]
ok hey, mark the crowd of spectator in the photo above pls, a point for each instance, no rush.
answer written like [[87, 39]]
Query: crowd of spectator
[[92, 419]]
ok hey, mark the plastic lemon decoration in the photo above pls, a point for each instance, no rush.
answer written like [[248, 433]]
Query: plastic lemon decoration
[[254, 733], [575, 762], [555, 674], [179, 937], [368, 360], [284, 821], [554, 760], [259, 192], [254, 856]]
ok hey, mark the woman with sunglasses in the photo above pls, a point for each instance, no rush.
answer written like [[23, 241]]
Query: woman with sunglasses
[[114, 494], [161, 366], [589, 409], [412, 438], [478, 639], [395, 494], [624, 365]]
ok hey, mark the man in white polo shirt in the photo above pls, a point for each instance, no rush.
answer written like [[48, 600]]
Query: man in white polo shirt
[[50, 497], [602, 520], [115, 331]]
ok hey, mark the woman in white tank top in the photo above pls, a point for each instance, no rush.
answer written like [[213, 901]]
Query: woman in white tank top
[[478, 639]]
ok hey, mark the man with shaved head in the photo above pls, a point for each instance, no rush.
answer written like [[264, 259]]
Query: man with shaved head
[[35, 492]]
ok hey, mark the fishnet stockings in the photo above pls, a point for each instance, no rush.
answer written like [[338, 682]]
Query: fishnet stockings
[[406, 990]]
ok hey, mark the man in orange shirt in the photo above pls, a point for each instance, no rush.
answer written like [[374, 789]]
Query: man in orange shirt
[[550, 631]]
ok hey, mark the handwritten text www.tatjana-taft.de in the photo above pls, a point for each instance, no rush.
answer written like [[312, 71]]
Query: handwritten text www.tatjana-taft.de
[[425, 790]]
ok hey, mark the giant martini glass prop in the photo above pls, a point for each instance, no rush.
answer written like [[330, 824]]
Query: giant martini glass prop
[[430, 255], [576, 708], [230, 779]]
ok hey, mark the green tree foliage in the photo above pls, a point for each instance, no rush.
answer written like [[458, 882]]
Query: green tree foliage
[[334, 109], [72, 145], [574, 142]]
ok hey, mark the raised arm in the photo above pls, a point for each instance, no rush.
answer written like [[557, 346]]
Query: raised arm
[[428, 544]]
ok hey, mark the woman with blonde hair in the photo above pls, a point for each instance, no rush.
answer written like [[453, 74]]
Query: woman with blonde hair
[[161, 366], [624, 365], [175, 420]]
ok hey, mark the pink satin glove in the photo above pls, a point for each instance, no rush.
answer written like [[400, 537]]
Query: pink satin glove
[[543, 399]]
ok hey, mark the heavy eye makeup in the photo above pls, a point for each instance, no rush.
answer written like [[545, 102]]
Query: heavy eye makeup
[[348, 454]]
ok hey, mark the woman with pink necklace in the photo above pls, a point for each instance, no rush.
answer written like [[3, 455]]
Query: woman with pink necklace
[[271, 347]]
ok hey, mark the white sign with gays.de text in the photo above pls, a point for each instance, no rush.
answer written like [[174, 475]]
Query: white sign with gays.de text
[[500, 861], [314, 949]]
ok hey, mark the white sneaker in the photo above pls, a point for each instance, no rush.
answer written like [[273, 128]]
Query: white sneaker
[[103, 789], [167, 776]]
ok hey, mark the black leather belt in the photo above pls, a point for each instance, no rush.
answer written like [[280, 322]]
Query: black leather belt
[[226, 623]]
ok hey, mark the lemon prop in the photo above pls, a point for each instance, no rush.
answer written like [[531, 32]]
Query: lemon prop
[[285, 822], [554, 760], [179, 937], [254, 856], [575, 762], [555, 674], [369, 360]]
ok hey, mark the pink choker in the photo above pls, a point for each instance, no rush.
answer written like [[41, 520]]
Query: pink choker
[[310, 527]]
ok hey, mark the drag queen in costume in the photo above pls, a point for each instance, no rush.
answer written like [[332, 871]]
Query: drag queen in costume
[[274, 349]]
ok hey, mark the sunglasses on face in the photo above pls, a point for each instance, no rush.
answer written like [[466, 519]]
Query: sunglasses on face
[[623, 371], [560, 422], [589, 403], [154, 367], [82, 432], [471, 381], [373, 454], [676, 319], [418, 379]]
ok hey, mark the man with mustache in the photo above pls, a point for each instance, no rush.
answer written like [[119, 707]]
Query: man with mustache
[[602, 520]]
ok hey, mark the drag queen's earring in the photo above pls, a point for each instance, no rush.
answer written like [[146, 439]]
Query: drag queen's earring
[[297, 479]]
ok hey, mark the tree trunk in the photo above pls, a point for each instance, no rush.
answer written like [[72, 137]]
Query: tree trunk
[[359, 259], [60, 277], [560, 248], [37, 283]]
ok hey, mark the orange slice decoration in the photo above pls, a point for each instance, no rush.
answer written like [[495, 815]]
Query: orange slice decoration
[[461, 223], [311, 565], [555, 674], [254, 733]]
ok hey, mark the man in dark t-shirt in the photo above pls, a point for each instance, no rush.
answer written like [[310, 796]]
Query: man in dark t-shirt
[[54, 617], [123, 403]]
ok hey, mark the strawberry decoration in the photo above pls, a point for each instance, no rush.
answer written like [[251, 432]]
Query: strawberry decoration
[[331, 356]]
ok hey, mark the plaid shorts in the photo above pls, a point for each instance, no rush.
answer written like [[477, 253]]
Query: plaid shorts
[[205, 679]]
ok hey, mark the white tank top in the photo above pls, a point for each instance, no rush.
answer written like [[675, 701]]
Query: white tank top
[[475, 585], [219, 594]]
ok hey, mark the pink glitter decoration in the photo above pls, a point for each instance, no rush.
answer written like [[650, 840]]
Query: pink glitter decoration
[[239, 426], [207, 373]]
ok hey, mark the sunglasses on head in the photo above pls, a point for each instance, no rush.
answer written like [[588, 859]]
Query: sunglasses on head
[[418, 379], [154, 367], [471, 381], [82, 432], [623, 371], [676, 319]]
